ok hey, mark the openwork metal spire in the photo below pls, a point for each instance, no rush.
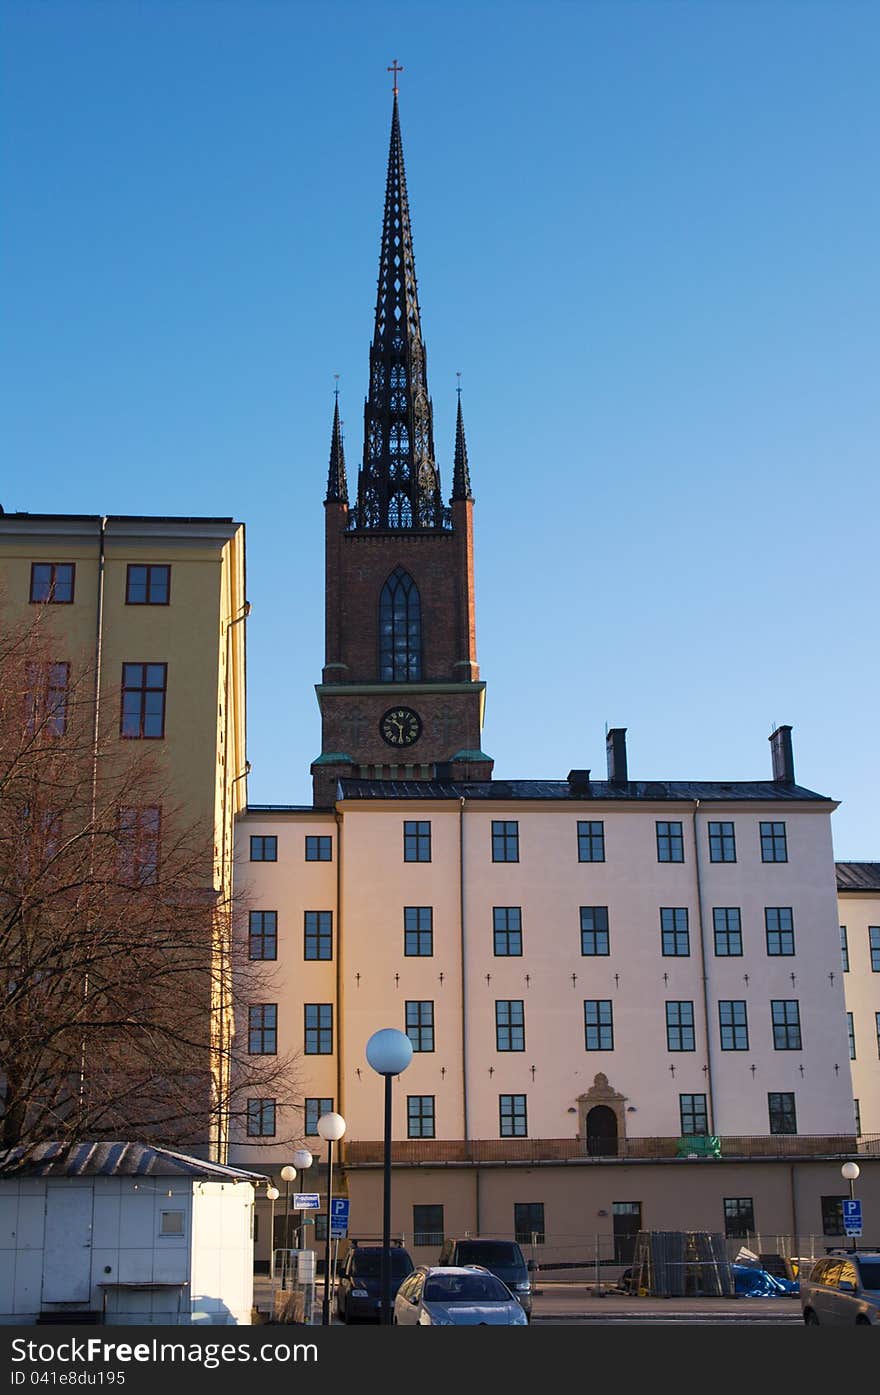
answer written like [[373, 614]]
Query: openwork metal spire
[[461, 475], [337, 484], [398, 483]]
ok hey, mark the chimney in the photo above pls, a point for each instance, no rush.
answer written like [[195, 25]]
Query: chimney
[[615, 745], [579, 784], [783, 757]]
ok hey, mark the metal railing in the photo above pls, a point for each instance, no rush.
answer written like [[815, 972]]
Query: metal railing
[[370, 1153]]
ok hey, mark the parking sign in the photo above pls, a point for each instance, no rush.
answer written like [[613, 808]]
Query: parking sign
[[852, 1217], [339, 1218]]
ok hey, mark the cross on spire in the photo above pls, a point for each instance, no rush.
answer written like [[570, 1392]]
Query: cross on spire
[[395, 69]]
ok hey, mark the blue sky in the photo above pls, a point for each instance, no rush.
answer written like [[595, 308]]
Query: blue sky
[[646, 233]]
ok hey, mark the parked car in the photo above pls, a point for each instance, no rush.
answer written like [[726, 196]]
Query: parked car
[[503, 1258], [456, 1296], [358, 1286], [842, 1288]]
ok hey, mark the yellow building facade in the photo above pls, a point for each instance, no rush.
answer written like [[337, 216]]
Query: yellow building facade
[[153, 609]]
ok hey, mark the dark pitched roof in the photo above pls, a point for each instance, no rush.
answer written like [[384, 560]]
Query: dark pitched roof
[[858, 876], [115, 1160], [759, 791]]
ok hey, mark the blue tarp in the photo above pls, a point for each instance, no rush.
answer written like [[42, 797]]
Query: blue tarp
[[749, 1282]]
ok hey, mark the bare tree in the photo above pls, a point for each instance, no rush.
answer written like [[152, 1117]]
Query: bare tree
[[119, 961]]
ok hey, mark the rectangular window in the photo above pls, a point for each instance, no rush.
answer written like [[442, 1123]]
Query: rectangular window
[[779, 922], [512, 1116], [428, 1225], [171, 1223], [319, 1029], [591, 841], [693, 1114], [140, 836], [261, 1118], [420, 1025], [507, 930], [786, 1016], [728, 931], [319, 848], [594, 930], [418, 931], [420, 1116], [739, 1217], [147, 585], [505, 840], [263, 935], [722, 843], [46, 702], [318, 935], [773, 843], [680, 1026], [142, 714], [858, 1113], [417, 840], [874, 946], [263, 1029], [783, 1118], [52, 583], [670, 844], [598, 1025], [510, 1025], [844, 949], [832, 1215], [852, 1036], [264, 847], [734, 1024], [528, 1222], [674, 935], [315, 1107]]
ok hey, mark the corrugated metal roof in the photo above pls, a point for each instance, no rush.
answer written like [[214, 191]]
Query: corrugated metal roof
[[677, 790], [858, 876], [115, 1160]]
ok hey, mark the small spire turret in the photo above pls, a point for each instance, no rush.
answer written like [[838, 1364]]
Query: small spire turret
[[461, 475], [337, 484]]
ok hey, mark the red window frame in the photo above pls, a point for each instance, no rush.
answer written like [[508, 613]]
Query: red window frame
[[149, 568], [143, 688], [40, 709], [140, 844], [51, 598]]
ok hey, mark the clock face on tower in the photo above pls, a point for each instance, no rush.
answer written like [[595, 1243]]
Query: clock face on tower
[[400, 726]]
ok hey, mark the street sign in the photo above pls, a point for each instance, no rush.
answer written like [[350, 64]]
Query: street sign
[[306, 1201], [852, 1217], [339, 1218]]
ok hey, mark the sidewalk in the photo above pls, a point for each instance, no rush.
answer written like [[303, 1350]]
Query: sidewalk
[[568, 1302]]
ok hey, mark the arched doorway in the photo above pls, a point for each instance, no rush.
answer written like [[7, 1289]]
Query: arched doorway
[[601, 1132]]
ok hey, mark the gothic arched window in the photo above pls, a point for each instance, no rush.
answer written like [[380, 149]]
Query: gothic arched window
[[399, 511], [400, 629]]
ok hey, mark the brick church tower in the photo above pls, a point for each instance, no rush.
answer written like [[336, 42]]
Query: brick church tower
[[400, 695]]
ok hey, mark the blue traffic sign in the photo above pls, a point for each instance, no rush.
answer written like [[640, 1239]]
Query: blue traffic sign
[[306, 1201], [339, 1218], [852, 1217]]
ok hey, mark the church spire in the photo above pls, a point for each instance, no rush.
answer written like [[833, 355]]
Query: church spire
[[337, 484], [398, 483], [461, 475]]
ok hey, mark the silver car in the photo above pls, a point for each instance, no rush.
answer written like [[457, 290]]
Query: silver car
[[843, 1289], [456, 1296]]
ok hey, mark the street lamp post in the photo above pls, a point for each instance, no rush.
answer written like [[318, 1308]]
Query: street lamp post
[[272, 1194], [331, 1127], [389, 1052], [288, 1174], [303, 1160], [849, 1172]]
